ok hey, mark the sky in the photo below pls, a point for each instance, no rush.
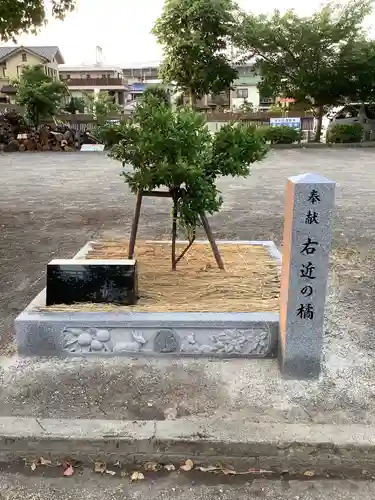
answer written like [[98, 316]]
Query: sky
[[122, 29]]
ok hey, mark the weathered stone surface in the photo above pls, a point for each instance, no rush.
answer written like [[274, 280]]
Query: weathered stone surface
[[121, 333], [306, 247], [166, 341]]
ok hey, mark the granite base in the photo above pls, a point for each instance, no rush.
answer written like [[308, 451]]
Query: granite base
[[224, 334]]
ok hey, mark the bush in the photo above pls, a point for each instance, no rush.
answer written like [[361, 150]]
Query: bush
[[345, 132], [279, 135], [108, 134], [175, 149]]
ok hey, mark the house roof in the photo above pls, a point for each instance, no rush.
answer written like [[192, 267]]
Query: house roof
[[47, 52], [88, 67]]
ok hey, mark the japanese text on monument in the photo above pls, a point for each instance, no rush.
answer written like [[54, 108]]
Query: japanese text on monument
[[309, 249]]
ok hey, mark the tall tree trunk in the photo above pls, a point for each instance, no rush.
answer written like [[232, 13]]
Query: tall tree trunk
[[174, 233], [318, 132], [192, 99]]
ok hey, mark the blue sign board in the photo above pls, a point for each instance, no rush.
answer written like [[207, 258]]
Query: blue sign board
[[286, 122]]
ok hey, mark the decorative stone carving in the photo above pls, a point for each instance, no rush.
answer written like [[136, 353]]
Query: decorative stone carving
[[166, 341], [230, 342], [84, 340], [138, 343]]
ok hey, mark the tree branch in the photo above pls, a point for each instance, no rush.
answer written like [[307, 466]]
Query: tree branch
[[191, 241]]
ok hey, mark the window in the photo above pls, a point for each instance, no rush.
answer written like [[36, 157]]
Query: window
[[24, 57], [242, 93]]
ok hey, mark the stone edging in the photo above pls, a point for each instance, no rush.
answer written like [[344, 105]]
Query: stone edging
[[276, 446], [324, 145]]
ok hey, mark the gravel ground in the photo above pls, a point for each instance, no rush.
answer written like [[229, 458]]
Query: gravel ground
[[51, 204], [91, 486]]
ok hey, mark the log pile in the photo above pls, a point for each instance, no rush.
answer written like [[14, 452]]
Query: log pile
[[16, 136]]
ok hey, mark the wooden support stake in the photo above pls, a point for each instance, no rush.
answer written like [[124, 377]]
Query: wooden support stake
[[212, 241], [133, 234], [206, 226]]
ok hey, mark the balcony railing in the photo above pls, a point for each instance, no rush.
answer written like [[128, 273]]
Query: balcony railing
[[94, 82]]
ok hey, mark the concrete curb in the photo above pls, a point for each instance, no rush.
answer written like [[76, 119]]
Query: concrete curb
[[277, 446], [324, 145]]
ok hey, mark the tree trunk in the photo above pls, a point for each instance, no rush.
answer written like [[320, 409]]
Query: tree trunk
[[318, 132], [192, 99], [174, 234]]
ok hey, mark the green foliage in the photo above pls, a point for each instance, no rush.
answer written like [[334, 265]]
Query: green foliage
[[102, 106], [345, 132], [195, 35], [39, 94], [247, 107], [17, 16], [279, 134], [75, 104], [159, 92], [109, 134], [311, 58], [174, 149]]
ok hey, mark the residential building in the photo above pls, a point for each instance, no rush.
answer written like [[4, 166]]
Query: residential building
[[245, 88], [86, 79], [14, 58], [142, 74]]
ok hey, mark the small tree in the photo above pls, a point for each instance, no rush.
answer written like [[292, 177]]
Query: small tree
[[75, 104], [174, 148], [307, 58], [38, 93], [17, 16], [102, 106], [195, 36]]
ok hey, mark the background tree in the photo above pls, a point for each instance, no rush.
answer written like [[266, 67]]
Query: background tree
[[75, 104], [39, 94], [307, 58], [159, 92], [195, 36], [102, 106], [174, 148], [18, 16]]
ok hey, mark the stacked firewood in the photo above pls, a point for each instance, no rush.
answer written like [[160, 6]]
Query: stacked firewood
[[16, 136]]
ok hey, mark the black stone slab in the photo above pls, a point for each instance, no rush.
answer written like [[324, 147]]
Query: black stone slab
[[96, 281]]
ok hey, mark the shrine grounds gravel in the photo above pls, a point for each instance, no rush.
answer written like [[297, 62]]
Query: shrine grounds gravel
[[51, 204]]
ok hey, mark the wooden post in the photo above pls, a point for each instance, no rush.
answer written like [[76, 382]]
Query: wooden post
[[133, 234], [167, 194], [212, 241]]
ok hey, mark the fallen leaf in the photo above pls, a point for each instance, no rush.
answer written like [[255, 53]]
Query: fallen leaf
[[44, 461], [189, 464], [169, 467], [100, 467], [209, 468], [257, 471], [110, 472], [152, 466], [33, 466], [69, 471], [227, 472], [309, 473], [123, 473], [137, 476]]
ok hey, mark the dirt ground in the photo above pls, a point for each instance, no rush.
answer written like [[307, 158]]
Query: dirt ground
[[51, 204]]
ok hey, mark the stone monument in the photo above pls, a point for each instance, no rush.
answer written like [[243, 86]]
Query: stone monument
[[306, 247]]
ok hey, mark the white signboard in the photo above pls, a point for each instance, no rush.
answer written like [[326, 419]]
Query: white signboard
[[286, 122], [92, 147]]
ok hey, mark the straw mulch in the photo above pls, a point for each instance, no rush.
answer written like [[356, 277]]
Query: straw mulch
[[250, 282]]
